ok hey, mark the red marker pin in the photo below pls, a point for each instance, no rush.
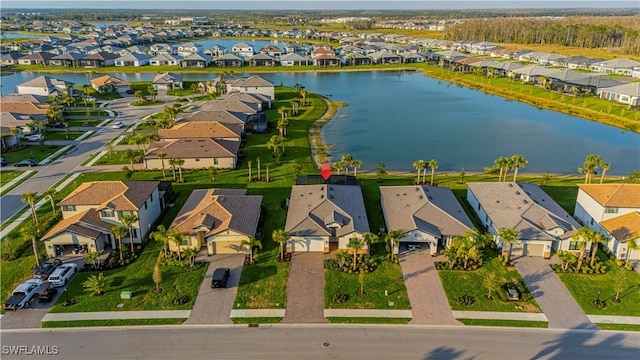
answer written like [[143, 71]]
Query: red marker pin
[[326, 171]]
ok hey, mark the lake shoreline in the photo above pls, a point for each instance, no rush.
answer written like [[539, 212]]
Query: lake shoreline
[[317, 145]]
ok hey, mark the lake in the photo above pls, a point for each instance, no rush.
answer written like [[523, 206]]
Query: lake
[[400, 117], [13, 35]]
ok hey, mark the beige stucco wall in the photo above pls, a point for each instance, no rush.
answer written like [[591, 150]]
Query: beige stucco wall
[[302, 243]]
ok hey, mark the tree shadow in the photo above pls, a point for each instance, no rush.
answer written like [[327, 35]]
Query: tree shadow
[[575, 343], [255, 273], [444, 353]]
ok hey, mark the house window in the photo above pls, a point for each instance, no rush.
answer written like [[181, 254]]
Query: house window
[[591, 221], [185, 240], [197, 159], [151, 197], [124, 213], [611, 210], [107, 213], [135, 233], [68, 208], [574, 245], [478, 206], [145, 205], [215, 161]]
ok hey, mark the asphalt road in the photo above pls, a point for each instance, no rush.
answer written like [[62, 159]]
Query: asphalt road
[[48, 175]]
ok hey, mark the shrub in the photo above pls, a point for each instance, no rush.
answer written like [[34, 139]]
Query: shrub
[[465, 300], [339, 298], [180, 299]]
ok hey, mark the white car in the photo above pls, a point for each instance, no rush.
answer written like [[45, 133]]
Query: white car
[[34, 137], [117, 125], [63, 274]]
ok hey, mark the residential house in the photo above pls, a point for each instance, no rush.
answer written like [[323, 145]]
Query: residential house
[[216, 51], [108, 83], [613, 210], [271, 50], [202, 129], [189, 48], [168, 81], [41, 58], [157, 49], [625, 94], [243, 49], [385, 57], [430, 216], [133, 59], [324, 217], [263, 102], [293, 59], [14, 126], [542, 225], [10, 58], [197, 153], [411, 57], [162, 59], [261, 60], [229, 60], [326, 61], [196, 60], [69, 59], [354, 59], [615, 66], [45, 86], [99, 59], [580, 62], [219, 219], [91, 211], [253, 85]]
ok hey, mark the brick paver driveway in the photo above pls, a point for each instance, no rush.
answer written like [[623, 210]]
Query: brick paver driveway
[[429, 303], [305, 289], [213, 306], [553, 297]]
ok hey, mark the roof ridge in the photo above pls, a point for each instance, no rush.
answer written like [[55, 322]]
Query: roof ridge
[[618, 187]]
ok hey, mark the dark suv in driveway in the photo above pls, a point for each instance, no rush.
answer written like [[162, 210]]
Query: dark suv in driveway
[[220, 278], [46, 268]]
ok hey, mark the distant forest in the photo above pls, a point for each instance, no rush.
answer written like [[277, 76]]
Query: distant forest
[[585, 32]]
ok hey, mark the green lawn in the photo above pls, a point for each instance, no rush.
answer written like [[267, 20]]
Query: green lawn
[[619, 327], [387, 277], [367, 320], [84, 113], [63, 135], [120, 322], [116, 158], [6, 189], [90, 91], [38, 152], [509, 323], [585, 288], [83, 122], [456, 283], [6, 176], [257, 320]]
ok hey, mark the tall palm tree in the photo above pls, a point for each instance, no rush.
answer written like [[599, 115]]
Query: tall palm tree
[[583, 236], [176, 236], [179, 163], [281, 237], [258, 167], [346, 161], [138, 94], [632, 245], [119, 232], [30, 198], [50, 193], [31, 233], [129, 220], [590, 167], [597, 239], [161, 155], [419, 165], [508, 236], [251, 243], [394, 236], [275, 146], [172, 163], [190, 254], [517, 161], [355, 244], [161, 235], [132, 156], [282, 126], [433, 165], [605, 166], [356, 164], [503, 163]]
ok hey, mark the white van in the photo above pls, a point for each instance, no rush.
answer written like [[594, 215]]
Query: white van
[[63, 274]]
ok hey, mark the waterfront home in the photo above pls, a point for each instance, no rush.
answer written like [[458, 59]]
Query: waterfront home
[[216, 50], [566, 80], [196, 60], [543, 227], [202, 129], [45, 86], [243, 49], [352, 59], [411, 57], [37, 58], [157, 49], [261, 60], [14, 126], [271, 50], [326, 61], [263, 102], [615, 66], [168, 81], [221, 220], [108, 83], [222, 116], [430, 216], [580, 62], [613, 210], [189, 48], [253, 85], [197, 153], [533, 73], [229, 60], [10, 58], [162, 59], [293, 59], [322, 218], [99, 59], [133, 59], [624, 94], [91, 211], [385, 57], [69, 59]]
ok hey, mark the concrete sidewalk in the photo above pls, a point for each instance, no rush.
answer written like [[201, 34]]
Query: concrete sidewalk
[[609, 319], [498, 315], [118, 315], [252, 313], [368, 313]]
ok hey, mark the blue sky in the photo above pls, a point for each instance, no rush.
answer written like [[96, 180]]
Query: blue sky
[[316, 5]]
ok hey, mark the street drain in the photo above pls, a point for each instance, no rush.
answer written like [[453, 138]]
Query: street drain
[[325, 344]]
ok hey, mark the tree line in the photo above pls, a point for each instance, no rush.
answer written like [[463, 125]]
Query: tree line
[[567, 32]]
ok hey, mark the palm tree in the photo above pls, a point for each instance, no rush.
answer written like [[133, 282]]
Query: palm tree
[[282, 126], [583, 236], [119, 232], [508, 236], [394, 237], [282, 111], [258, 167], [251, 243], [30, 233], [370, 238], [161, 155], [190, 254], [631, 245], [281, 237], [433, 165], [337, 166], [212, 172], [92, 256], [590, 167], [597, 239], [161, 235], [176, 236], [179, 163], [517, 161], [50, 193], [129, 220], [275, 145], [30, 198], [132, 156], [356, 164], [605, 166], [172, 163], [138, 94], [419, 165], [153, 93], [95, 284], [249, 166], [355, 244]]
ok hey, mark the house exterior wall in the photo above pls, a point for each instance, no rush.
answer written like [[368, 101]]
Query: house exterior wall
[[33, 90], [149, 215], [264, 90], [343, 241], [192, 163], [312, 243], [590, 212]]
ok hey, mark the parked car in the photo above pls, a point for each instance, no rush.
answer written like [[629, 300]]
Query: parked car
[[46, 268], [413, 247], [129, 91], [34, 137], [45, 292], [63, 274], [26, 162], [117, 125], [220, 278], [59, 125], [3, 161], [22, 295]]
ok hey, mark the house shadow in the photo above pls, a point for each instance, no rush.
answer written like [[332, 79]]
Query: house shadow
[[572, 343]]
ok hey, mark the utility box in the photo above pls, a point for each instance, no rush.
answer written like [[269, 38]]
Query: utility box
[[126, 295]]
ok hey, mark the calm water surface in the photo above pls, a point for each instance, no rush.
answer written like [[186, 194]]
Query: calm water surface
[[400, 117]]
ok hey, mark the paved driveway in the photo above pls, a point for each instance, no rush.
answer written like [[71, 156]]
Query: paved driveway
[[305, 289], [213, 306], [429, 303], [553, 297]]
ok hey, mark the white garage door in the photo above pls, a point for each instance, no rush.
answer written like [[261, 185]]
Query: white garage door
[[307, 245], [526, 250]]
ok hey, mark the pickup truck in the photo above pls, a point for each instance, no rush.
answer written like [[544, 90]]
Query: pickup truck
[[22, 295]]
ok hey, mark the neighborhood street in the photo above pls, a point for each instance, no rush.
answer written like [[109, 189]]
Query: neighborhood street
[[321, 342]]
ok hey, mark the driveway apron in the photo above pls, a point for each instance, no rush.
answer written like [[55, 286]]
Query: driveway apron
[[305, 289], [553, 297], [429, 304], [213, 306]]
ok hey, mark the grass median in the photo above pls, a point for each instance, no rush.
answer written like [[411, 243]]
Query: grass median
[[119, 322]]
